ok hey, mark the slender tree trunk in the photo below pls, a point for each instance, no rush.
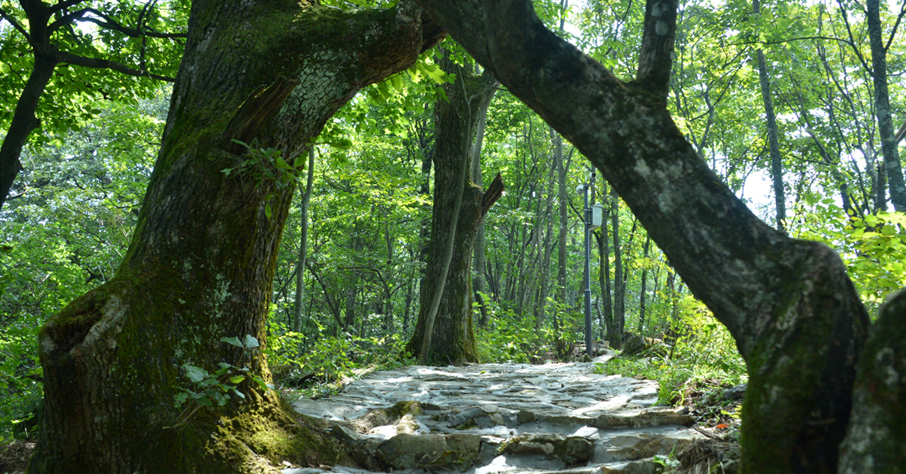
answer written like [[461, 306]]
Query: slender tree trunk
[[619, 285], [795, 315], [643, 288], [303, 243], [479, 260], [201, 263], [882, 105], [444, 332], [563, 201], [604, 274], [548, 251], [773, 142]]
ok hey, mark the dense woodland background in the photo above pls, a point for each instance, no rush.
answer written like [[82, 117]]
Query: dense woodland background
[[346, 292]]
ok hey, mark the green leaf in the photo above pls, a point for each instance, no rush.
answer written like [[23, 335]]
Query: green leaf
[[267, 210], [251, 342], [231, 340], [195, 374], [282, 164], [236, 379]]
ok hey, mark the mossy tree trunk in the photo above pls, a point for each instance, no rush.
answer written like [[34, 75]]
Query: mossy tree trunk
[[201, 262], [452, 339], [876, 439], [795, 315]]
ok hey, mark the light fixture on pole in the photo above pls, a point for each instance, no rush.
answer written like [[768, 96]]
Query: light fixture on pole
[[594, 216]]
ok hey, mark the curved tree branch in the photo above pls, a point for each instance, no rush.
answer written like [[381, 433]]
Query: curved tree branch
[[94, 63], [16, 24], [105, 21]]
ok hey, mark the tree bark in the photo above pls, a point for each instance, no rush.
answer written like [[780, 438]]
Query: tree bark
[[882, 105], [789, 305], [447, 337], [201, 263]]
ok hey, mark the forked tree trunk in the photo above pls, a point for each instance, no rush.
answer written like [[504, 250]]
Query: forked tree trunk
[[795, 315], [202, 260], [452, 339]]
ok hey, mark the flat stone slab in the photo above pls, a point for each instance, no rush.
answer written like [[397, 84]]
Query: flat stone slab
[[555, 418]]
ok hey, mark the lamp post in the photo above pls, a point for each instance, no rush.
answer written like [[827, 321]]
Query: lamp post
[[593, 217]]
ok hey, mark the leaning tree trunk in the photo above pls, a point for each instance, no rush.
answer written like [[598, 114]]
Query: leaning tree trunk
[[202, 260], [452, 336], [795, 315]]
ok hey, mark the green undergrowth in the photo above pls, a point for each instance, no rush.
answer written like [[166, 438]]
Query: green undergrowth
[[510, 337], [315, 367], [701, 357]]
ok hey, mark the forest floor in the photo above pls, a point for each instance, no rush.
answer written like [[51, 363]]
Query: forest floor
[[14, 457], [558, 418]]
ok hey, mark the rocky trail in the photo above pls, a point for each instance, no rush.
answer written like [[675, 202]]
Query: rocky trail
[[502, 418]]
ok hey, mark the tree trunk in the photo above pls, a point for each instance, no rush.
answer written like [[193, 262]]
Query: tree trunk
[[773, 142], [563, 201], [303, 243], [619, 285], [882, 105], [201, 262], [450, 334], [642, 290], [478, 280], [604, 274], [876, 436], [795, 315]]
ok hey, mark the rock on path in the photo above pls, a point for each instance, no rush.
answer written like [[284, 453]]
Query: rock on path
[[501, 418]]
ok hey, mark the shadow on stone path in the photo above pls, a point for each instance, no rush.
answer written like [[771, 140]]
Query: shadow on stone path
[[496, 418]]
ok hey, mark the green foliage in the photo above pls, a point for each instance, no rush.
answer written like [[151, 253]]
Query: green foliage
[[327, 362], [873, 247], [66, 235], [511, 338], [702, 353]]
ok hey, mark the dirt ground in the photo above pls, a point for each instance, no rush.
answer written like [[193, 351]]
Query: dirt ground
[[14, 456]]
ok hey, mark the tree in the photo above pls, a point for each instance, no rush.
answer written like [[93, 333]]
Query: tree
[[765, 287], [882, 105], [193, 290], [446, 335], [773, 141], [619, 278], [48, 31]]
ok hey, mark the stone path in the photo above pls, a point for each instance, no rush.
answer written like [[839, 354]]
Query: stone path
[[501, 418]]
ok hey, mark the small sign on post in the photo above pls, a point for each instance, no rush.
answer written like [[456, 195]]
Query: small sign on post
[[597, 216]]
